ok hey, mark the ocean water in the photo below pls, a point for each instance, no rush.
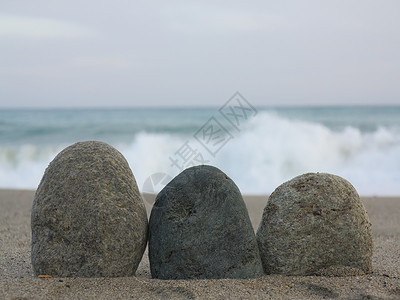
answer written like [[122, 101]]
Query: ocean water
[[259, 148]]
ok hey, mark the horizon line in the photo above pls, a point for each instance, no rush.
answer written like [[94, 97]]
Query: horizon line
[[184, 107]]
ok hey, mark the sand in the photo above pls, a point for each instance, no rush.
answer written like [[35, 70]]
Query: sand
[[17, 280]]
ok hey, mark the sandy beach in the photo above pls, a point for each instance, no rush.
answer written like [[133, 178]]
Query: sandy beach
[[18, 282]]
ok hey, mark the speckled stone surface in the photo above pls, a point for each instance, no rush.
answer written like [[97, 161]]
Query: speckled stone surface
[[200, 228], [315, 224], [88, 218]]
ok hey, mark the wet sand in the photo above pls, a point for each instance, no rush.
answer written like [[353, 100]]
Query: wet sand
[[18, 282]]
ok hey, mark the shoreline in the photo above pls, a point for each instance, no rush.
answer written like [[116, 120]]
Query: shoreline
[[17, 280]]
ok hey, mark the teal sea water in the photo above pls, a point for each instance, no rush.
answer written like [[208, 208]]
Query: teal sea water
[[258, 148]]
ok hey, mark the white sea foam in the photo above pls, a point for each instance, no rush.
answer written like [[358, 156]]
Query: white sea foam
[[272, 150], [266, 152]]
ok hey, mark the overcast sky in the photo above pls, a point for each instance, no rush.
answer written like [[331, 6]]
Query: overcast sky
[[170, 53]]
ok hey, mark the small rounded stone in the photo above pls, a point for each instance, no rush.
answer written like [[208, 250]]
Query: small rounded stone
[[200, 228], [88, 218], [315, 224]]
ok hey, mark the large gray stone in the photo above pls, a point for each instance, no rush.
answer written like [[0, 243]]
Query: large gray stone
[[199, 228], [315, 224], [88, 218]]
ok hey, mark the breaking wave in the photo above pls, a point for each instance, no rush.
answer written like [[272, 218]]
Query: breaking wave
[[268, 150]]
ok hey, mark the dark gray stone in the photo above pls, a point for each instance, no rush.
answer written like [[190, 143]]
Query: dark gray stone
[[88, 218], [200, 228], [315, 224]]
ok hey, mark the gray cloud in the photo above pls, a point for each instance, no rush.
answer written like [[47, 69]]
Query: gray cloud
[[198, 53], [15, 26]]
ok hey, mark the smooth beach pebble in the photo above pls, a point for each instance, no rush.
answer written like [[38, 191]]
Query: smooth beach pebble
[[200, 228], [315, 224], [88, 218]]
